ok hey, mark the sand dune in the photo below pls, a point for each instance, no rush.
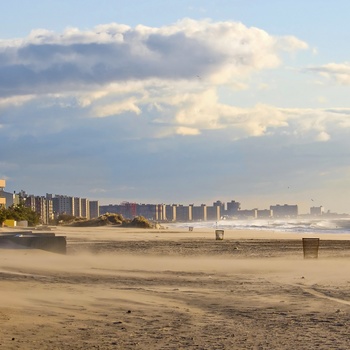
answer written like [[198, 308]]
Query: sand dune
[[148, 289]]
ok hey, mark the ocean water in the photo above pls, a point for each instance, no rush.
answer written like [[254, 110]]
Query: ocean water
[[338, 226]]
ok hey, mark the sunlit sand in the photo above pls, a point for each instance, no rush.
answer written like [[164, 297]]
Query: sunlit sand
[[173, 289]]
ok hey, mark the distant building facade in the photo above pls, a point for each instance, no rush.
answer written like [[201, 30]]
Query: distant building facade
[[232, 208], [283, 211], [183, 212], [2, 197], [84, 210], [94, 209], [199, 213], [214, 213], [170, 212], [248, 214], [316, 211], [130, 210], [264, 214]]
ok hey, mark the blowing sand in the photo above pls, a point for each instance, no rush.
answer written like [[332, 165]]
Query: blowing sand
[[172, 289]]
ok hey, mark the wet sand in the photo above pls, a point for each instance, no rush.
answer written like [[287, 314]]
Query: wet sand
[[174, 289]]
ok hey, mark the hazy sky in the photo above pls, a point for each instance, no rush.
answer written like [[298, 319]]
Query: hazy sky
[[177, 101]]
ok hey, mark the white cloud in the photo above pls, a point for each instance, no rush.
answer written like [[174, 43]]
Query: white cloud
[[187, 131], [323, 136], [116, 108], [75, 60], [14, 101], [168, 75], [336, 72], [97, 190]]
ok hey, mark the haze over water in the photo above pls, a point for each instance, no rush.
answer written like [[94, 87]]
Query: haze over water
[[315, 225]]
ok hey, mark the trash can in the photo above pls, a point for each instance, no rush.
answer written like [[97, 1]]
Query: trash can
[[190, 228], [310, 248], [219, 235]]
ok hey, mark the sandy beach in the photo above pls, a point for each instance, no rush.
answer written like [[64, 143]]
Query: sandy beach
[[174, 289]]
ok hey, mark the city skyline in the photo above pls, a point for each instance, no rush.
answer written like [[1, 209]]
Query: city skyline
[[191, 101], [224, 204]]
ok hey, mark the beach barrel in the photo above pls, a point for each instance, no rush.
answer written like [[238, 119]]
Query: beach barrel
[[310, 248], [219, 235]]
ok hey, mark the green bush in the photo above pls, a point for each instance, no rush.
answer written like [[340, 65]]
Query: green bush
[[19, 212]]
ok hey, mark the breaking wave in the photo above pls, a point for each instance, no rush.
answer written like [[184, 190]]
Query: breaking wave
[[286, 225]]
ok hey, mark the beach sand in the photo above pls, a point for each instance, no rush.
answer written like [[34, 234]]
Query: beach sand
[[174, 289]]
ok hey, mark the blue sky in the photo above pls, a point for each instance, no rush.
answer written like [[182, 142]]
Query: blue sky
[[177, 101]]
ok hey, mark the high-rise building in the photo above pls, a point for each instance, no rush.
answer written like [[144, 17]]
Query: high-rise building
[[232, 208], [285, 210], [94, 209], [85, 212], [147, 211], [199, 213], [170, 211], [183, 213], [221, 205], [41, 205], [77, 207], [316, 211], [214, 213], [63, 205]]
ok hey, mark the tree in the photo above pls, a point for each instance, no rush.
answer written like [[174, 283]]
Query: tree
[[3, 214], [20, 212]]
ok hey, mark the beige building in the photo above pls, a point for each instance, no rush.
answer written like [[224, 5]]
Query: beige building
[[85, 212], [2, 199], [160, 212], [77, 207], [42, 206]]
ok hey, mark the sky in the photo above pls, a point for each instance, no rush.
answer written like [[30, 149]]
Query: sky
[[177, 101]]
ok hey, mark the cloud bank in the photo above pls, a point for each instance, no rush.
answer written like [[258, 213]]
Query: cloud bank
[[168, 78], [79, 60], [132, 111], [338, 73]]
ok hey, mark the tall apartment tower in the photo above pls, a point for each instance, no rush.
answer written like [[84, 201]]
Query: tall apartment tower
[[183, 213], [147, 211], [232, 208], [317, 211], [199, 213], [42, 206], [285, 210], [160, 212], [94, 209], [77, 207], [170, 211], [63, 205], [41, 209], [85, 211], [214, 213]]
